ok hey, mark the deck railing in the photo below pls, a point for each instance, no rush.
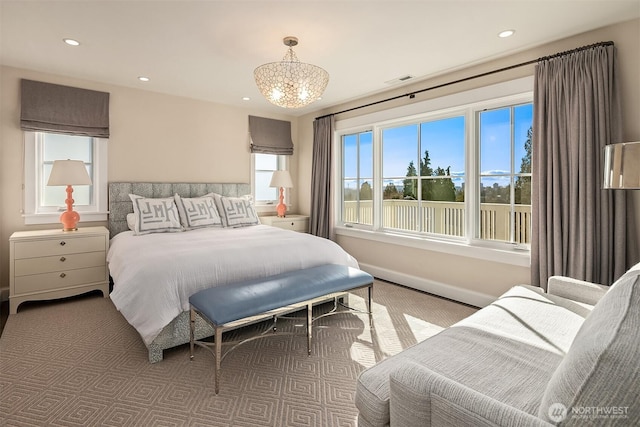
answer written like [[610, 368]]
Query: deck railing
[[446, 218]]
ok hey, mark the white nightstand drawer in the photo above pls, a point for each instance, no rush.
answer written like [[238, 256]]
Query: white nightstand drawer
[[58, 246], [295, 225], [27, 266], [293, 222], [59, 280], [49, 264]]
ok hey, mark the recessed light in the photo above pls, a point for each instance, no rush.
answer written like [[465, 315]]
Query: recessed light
[[506, 33], [246, 98], [144, 79], [71, 42]]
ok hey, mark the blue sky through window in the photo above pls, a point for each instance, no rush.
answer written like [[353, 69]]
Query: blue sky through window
[[445, 141]]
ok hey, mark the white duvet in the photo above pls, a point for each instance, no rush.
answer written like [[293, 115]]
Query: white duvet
[[155, 274]]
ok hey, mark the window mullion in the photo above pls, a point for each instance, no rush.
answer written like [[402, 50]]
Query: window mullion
[[419, 186], [512, 192], [39, 169], [378, 193], [472, 187]]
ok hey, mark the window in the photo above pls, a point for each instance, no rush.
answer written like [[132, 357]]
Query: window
[[455, 173], [357, 182], [505, 174], [423, 176], [263, 167], [43, 204]]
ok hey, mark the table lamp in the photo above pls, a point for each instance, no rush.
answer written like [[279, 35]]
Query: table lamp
[[69, 172], [281, 179]]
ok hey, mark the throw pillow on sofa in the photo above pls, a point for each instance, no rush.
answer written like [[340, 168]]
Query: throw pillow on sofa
[[599, 378]]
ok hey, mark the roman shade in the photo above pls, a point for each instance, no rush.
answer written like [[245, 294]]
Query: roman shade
[[270, 136], [47, 107]]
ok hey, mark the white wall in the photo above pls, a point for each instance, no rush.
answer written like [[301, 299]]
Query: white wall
[[154, 137], [461, 277]]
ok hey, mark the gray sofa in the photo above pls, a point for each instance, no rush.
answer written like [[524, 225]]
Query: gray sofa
[[570, 356]]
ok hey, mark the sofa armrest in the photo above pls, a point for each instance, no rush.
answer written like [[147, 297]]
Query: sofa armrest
[[421, 397], [576, 290]]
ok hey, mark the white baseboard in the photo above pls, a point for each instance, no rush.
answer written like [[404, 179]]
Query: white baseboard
[[455, 293]]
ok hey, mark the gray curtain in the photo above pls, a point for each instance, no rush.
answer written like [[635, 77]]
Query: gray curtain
[[270, 136], [47, 107], [321, 183], [579, 229]]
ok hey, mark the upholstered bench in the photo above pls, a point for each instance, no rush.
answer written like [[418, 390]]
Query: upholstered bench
[[224, 307]]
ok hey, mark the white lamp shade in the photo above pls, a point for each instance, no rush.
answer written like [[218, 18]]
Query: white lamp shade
[[622, 166], [69, 172], [281, 179]]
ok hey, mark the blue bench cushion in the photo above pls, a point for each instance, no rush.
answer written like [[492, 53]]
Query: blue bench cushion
[[235, 301]]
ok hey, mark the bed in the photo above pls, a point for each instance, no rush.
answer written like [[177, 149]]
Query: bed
[[154, 274]]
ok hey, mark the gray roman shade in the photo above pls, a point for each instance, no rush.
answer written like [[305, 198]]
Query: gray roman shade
[[269, 136], [54, 108]]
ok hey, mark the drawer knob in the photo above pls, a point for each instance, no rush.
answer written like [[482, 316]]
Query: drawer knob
[[62, 243], [63, 275], [292, 224], [63, 259]]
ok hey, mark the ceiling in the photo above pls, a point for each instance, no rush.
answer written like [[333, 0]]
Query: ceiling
[[208, 49]]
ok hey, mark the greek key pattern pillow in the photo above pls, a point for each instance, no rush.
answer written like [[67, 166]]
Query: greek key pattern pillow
[[236, 211], [198, 212], [155, 215]]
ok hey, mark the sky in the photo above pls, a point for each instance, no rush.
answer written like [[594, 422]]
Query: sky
[[445, 140]]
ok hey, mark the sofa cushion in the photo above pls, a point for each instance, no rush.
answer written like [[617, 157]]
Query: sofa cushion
[[600, 372], [522, 337]]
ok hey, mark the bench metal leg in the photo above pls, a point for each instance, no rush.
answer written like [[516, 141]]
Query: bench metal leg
[[192, 327], [309, 325], [370, 305], [218, 338]]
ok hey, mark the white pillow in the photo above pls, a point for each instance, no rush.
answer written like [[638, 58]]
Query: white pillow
[[236, 211], [198, 212], [155, 215], [131, 221]]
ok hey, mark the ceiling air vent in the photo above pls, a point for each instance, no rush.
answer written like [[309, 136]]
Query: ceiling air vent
[[401, 79]]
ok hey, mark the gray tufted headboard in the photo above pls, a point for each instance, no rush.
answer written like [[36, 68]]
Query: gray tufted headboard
[[120, 204]]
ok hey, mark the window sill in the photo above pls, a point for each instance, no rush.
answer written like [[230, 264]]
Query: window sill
[[518, 257], [54, 217]]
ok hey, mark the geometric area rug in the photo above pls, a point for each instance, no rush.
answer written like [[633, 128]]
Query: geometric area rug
[[77, 362]]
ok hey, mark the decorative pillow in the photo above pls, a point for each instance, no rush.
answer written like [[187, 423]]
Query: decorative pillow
[[236, 211], [198, 212], [600, 370], [155, 215]]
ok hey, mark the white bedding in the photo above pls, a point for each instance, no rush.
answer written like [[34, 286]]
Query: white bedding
[[155, 274]]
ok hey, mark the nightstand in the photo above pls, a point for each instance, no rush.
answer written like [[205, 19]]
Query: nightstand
[[290, 222], [49, 264]]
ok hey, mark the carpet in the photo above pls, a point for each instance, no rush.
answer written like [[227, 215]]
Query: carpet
[[77, 362]]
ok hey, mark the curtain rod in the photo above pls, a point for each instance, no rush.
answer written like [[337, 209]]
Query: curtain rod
[[412, 95]]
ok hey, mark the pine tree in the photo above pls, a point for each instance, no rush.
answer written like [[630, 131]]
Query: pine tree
[[409, 185], [523, 183], [365, 191], [391, 192], [425, 170]]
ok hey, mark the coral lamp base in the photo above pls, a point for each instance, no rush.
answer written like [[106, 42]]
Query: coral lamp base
[[281, 208], [69, 218]]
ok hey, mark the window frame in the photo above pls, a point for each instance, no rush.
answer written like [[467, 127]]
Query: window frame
[[358, 176], [33, 212], [475, 239], [468, 104], [270, 206]]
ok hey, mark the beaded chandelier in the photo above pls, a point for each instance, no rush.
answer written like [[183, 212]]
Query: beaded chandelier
[[291, 83]]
